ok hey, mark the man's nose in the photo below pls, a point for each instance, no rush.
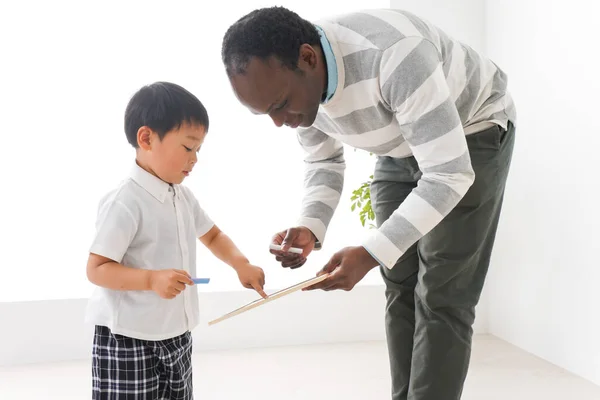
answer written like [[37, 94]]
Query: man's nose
[[278, 119]]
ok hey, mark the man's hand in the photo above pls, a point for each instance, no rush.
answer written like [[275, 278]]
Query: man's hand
[[168, 283], [252, 277], [300, 237], [347, 267]]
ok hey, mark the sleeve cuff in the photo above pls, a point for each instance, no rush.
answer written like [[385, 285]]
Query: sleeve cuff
[[111, 254], [316, 227], [382, 249], [203, 230]]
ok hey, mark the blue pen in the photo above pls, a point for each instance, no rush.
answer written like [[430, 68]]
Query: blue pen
[[200, 280]]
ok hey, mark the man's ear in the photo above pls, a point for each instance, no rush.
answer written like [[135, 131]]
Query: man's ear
[[307, 57], [145, 138]]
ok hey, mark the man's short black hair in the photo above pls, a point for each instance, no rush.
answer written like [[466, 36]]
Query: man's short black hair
[[266, 32], [162, 107]]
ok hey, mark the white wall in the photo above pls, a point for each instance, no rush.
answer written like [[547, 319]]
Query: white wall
[[52, 330], [64, 96], [461, 19], [543, 286]]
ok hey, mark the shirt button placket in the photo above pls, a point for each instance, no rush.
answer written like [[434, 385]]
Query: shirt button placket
[[184, 251]]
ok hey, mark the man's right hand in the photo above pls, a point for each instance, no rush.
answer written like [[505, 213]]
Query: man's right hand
[[300, 237], [168, 283]]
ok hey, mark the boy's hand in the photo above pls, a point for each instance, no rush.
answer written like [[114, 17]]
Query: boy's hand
[[169, 283], [252, 277]]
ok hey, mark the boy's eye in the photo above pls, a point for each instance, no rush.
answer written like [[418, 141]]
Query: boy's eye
[[187, 148]]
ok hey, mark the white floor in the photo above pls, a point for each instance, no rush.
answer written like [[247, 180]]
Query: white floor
[[498, 371]]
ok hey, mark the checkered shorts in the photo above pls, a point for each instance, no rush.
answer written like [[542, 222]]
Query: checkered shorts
[[124, 368]]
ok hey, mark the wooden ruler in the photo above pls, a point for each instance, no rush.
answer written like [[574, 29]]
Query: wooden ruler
[[271, 297]]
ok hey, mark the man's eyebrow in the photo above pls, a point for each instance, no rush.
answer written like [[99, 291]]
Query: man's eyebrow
[[193, 138]]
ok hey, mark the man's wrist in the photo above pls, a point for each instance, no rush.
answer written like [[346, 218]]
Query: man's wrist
[[314, 237], [315, 240], [316, 228], [374, 261]]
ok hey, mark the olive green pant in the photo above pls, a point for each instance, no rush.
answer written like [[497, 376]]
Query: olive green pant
[[432, 291]]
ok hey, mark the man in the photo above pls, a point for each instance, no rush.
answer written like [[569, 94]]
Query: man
[[441, 122]]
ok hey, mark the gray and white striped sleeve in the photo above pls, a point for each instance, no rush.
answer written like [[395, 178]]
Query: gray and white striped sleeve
[[414, 86], [323, 180]]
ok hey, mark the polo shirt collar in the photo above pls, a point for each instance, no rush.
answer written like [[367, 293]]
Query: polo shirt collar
[[332, 73], [158, 188]]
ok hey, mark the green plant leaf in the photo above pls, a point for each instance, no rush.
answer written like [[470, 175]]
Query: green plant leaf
[[361, 203]]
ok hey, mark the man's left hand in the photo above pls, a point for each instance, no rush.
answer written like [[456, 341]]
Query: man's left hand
[[347, 267]]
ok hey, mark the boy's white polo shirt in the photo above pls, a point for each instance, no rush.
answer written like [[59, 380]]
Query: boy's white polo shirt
[[147, 223]]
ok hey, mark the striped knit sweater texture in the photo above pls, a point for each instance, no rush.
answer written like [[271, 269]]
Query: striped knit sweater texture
[[405, 88]]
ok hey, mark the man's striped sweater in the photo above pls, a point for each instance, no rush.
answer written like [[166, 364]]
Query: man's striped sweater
[[404, 88]]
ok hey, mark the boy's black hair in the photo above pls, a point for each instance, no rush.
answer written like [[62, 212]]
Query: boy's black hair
[[162, 107], [266, 32]]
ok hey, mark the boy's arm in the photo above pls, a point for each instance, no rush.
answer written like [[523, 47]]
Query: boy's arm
[[222, 247], [102, 271], [109, 274]]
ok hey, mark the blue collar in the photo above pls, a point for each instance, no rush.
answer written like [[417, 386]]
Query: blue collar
[[332, 76]]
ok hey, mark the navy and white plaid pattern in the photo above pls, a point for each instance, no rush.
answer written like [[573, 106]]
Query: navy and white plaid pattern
[[125, 368]]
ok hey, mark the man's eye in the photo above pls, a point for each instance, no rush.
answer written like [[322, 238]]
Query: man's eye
[[187, 148], [281, 106]]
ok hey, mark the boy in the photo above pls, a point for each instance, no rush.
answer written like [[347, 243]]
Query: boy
[[143, 255]]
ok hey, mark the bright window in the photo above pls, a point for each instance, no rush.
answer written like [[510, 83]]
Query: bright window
[[68, 71]]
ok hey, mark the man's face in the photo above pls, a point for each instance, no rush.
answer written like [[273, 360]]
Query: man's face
[[289, 97]]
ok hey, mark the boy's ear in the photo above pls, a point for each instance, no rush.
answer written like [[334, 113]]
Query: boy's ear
[[144, 138]]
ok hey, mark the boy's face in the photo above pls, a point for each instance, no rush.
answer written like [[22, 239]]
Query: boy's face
[[172, 158]]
